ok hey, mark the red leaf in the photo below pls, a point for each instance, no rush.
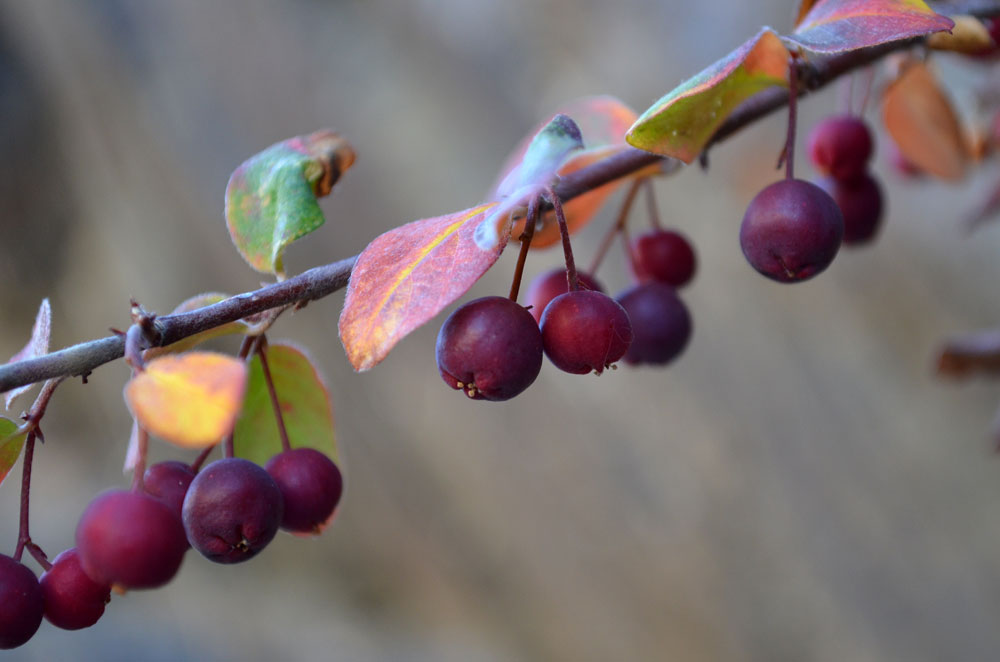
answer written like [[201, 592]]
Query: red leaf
[[410, 274], [833, 26]]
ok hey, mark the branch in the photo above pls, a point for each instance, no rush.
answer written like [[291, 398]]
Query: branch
[[319, 282]]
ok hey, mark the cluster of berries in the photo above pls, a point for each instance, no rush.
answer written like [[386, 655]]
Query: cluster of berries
[[229, 511], [491, 348]]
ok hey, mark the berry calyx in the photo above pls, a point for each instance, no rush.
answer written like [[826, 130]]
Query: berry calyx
[[72, 599], [130, 539], [860, 202], [661, 323], [168, 482], [549, 285], [490, 348], [311, 486], [232, 510], [663, 255], [585, 331], [791, 231], [841, 146], [21, 603]]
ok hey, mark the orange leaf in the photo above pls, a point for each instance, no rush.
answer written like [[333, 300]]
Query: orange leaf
[[968, 36], [804, 7], [410, 274], [921, 121], [191, 400]]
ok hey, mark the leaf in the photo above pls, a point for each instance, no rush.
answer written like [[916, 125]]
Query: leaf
[[548, 150], [271, 197], [804, 7], [921, 121], [10, 446], [682, 122], [834, 26], [603, 121], [410, 274], [968, 36], [191, 400], [305, 407], [37, 346]]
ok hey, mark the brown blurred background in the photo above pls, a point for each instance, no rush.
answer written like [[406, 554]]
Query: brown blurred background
[[798, 486]]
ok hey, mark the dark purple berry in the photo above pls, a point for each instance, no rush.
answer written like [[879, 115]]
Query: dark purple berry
[[791, 231], [841, 146], [860, 202], [311, 486], [551, 284], [663, 255], [489, 348], [131, 539], [21, 603], [585, 331], [168, 482], [661, 324], [232, 510], [72, 599]]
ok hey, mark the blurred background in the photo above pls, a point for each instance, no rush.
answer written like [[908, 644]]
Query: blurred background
[[798, 486]]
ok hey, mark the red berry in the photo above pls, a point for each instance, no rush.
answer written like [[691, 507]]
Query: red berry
[[21, 603], [841, 146], [232, 510], [585, 331], [663, 255], [490, 348], [661, 324], [168, 482], [860, 202], [551, 284], [311, 486], [791, 231], [131, 539], [72, 599]]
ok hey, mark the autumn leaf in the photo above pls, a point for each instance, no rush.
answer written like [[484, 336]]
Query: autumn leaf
[[271, 197], [921, 121], [410, 274], [968, 36], [37, 346], [684, 120], [305, 404], [191, 400], [834, 26], [11, 444]]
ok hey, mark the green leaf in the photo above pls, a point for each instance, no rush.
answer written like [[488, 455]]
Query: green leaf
[[305, 407], [10, 446], [682, 122], [834, 26], [271, 197], [548, 150]]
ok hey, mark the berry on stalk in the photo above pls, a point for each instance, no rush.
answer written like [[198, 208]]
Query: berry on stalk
[[489, 348], [21, 603], [860, 202], [661, 323], [585, 331], [551, 284], [72, 599], [311, 486], [663, 255], [841, 146], [168, 482]]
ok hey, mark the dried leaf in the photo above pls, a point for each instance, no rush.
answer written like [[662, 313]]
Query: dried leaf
[[10, 446], [305, 407], [271, 197], [38, 345], [682, 122], [965, 355], [191, 400], [968, 36], [410, 274], [834, 26], [921, 121]]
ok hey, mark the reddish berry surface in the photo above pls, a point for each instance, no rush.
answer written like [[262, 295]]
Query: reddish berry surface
[[585, 331], [841, 146], [551, 284], [72, 599], [21, 603], [663, 255], [661, 323], [490, 348], [311, 486], [860, 202], [168, 482]]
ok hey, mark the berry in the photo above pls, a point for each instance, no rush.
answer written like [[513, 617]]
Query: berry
[[860, 202], [791, 231], [131, 539], [21, 603], [585, 331], [661, 323], [232, 510], [490, 348], [663, 255], [311, 486], [551, 284], [72, 599], [168, 482], [841, 146]]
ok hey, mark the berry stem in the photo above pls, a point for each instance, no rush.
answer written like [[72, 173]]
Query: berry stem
[[869, 83], [261, 349], [23, 535], [618, 226], [654, 212], [245, 350], [529, 231], [793, 93], [571, 278], [200, 460], [139, 471]]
